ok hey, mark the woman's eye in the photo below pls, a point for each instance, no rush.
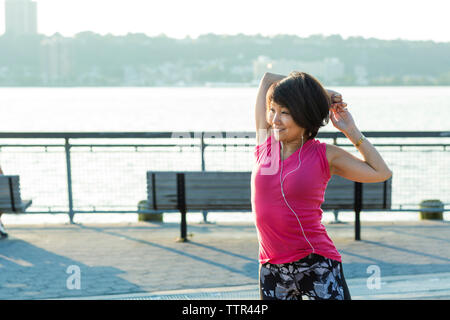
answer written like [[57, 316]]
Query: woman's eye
[[283, 112]]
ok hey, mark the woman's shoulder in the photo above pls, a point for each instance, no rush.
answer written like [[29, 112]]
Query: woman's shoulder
[[331, 150]]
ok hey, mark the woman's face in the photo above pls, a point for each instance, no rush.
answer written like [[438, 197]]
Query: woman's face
[[283, 125]]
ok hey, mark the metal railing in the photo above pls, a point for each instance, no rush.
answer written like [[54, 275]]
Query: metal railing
[[105, 172]]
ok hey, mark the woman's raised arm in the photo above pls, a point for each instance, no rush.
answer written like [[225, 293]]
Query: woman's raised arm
[[260, 107]]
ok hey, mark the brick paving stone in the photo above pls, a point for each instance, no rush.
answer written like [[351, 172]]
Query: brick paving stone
[[144, 257]]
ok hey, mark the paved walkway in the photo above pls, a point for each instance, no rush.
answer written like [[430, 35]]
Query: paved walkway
[[142, 261]]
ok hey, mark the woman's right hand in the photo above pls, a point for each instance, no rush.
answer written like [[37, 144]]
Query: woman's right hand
[[336, 100]]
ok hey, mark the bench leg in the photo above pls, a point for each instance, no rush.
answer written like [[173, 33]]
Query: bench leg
[[181, 198], [357, 226], [358, 207], [183, 229]]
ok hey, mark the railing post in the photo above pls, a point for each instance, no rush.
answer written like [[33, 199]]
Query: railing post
[[202, 146], [69, 179]]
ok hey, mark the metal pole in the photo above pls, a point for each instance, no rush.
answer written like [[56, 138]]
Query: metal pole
[[202, 145], [358, 207], [181, 199], [69, 179]]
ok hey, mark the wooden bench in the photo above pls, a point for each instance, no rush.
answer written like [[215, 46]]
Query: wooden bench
[[10, 199], [344, 194], [169, 191], [198, 191]]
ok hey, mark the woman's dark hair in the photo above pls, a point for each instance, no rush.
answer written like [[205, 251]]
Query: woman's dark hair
[[306, 99]]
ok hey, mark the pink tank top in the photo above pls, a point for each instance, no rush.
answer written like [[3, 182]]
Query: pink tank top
[[283, 236]]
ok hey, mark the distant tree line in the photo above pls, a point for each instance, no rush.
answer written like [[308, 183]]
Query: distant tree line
[[136, 59]]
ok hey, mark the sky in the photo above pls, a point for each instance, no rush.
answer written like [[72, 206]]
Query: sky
[[382, 19]]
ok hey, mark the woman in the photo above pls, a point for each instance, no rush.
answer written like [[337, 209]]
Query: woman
[[289, 178]]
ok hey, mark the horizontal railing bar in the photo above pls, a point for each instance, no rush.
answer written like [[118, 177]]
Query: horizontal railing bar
[[32, 145], [99, 145], [234, 210], [193, 135], [206, 145]]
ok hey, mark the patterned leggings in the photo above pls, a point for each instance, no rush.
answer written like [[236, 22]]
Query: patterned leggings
[[314, 276]]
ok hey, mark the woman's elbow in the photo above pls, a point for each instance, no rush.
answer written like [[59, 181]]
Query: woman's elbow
[[386, 176], [379, 176]]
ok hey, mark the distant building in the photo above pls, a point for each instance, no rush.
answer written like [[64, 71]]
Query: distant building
[[56, 66], [20, 17], [328, 69], [361, 75]]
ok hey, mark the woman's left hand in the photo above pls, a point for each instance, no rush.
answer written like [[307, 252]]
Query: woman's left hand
[[340, 116]]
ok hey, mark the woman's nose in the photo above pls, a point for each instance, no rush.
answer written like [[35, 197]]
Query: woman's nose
[[276, 118]]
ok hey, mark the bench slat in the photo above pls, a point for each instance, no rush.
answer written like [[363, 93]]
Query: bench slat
[[5, 195], [232, 189]]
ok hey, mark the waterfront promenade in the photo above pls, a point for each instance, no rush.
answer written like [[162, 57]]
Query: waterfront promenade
[[142, 261]]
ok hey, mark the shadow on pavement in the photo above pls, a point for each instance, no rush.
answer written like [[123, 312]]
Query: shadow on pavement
[[30, 272], [249, 269]]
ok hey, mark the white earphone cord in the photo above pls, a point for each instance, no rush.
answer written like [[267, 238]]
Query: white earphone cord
[[284, 197]]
